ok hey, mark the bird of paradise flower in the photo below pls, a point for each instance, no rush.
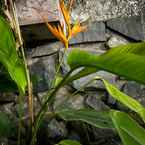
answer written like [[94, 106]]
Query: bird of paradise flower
[[71, 30]]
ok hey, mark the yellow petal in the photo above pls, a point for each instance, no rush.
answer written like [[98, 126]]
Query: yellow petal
[[65, 12], [58, 33], [62, 35], [53, 30], [77, 28]]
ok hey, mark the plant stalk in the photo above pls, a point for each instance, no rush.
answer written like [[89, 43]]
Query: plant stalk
[[43, 110]]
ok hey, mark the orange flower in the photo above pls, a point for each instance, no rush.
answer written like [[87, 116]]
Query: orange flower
[[58, 31], [65, 12], [77, 28]]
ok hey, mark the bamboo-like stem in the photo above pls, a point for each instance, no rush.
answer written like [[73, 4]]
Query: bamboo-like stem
[[43, 110], [30, 90], [20, 118], [19, 37], [58, 68]]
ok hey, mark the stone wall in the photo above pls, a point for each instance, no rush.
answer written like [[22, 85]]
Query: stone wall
[[110, 23], [100, 36], [101, 10], [109, 27]]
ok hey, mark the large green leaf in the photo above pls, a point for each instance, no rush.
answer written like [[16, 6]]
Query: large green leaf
[[124, 99], [9, 57], [127, 61], [92, 117], [68, 142], [130, 131]]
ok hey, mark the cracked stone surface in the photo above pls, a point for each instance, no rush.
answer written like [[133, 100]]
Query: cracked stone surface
[[31, 11], [107, 9]]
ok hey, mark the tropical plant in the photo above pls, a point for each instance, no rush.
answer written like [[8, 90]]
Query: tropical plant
[[9, 56], [126, 61], [119, 60]]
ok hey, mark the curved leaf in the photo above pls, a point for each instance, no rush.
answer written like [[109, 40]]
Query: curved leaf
[[127, 61], [92, 117], [130, 131], [68, 142], [123, 98], [9, 57]]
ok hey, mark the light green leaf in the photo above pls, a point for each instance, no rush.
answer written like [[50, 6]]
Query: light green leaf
[[9, 57], [123, 98], [69, 142], [127, 61], [130, 131], [83, 72], [92, 117]]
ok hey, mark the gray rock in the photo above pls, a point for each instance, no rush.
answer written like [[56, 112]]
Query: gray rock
[[42, 70], [94, 101], [4, 141], [6, 98], [65, 99], [116, 40], [31, 11], [102, 10], [143, 17], [56, 129], [131, 27], [136, 91], [83, 17], [42, 61], [51, 131], [45, 50], [95, 32], [78, 84]]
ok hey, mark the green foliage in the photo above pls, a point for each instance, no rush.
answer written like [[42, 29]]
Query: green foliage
[[6, 125], [6, 84], [129, 130], [9, 57], [124, 99], [68, 142], [92, 117], [126, 61]]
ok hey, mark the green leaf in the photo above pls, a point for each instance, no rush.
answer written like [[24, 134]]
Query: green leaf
[[69, 142], [127, 61], [92, 117], [6, 125], [83, 72], [9, 57], [6, 84], [130, 131], [123, 98]]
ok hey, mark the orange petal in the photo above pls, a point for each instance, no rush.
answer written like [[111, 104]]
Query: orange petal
[[62, 35], [77, 28], [53, 30], [65, 12], [58, 33]]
